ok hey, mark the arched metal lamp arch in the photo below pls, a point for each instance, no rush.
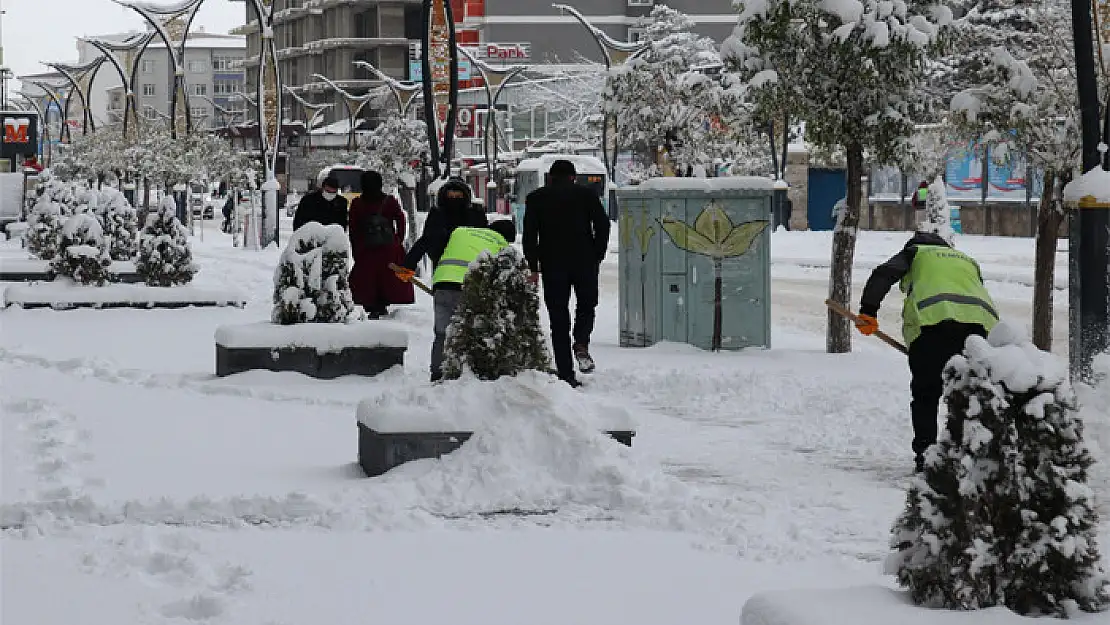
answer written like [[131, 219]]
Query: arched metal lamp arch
[[74, 74], [108, 50]]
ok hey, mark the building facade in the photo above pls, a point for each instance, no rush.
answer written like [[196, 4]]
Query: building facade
[[213, 73]]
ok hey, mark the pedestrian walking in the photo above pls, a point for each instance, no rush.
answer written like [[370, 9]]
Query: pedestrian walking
[[325, 206], [377, 232], [946, 303], [566, 234], [463, 247]]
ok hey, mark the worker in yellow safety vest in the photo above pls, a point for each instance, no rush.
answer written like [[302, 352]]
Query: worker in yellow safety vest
[[463, 248], [945, 304]]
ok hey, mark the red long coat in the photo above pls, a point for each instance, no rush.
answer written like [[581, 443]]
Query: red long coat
[[373, 283]]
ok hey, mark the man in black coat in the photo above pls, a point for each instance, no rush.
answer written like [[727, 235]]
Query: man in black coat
[[566, 234], [325, 206], [453, 209]]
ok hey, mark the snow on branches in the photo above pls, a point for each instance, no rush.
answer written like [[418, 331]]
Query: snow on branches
[[121, 224], [83, 252], [391, 148], [310, 282], [164, 257], [496, 331], [938, 213], [1003, 514], [45, 228]]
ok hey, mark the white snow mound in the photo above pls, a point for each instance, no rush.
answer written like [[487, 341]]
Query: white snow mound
[[1013, 361]]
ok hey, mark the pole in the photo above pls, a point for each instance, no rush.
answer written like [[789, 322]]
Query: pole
[[3, 67], [1087, 254]]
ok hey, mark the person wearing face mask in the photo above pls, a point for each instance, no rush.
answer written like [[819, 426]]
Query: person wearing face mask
[[453, 210], [325, 206], [377, 233]]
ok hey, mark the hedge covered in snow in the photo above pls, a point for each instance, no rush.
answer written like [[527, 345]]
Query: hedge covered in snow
[[83, 252], [1003, 514], [496, 329], [310, 282], [164, 257], [121, 224], [44, 232]]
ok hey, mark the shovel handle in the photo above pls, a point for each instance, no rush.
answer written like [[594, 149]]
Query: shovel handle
[[847, 314], [416, 281]]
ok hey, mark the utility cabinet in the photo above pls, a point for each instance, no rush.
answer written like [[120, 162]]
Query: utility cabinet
[[695, 262]]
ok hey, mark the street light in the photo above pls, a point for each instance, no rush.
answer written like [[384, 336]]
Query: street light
[[75, 74], [354, 105], [311, 120], [135, 43]]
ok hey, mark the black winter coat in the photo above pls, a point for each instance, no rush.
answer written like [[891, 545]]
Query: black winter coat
[[565, 227], [313, 207], [437, 230]]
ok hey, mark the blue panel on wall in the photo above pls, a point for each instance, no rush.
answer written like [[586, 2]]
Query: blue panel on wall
[[826, 188]]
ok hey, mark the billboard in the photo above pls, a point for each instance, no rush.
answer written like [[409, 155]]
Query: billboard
[[416, 70], [20, 134], [964, 174]]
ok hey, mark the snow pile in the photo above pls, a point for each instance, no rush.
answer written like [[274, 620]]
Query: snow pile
[[164, 257], [121, 224], [45, 231], [64, 194], [496, 329], [1003, 514], [83, 251], [1094, 185], [1094, 409], [938, 213], [310, 282], [323, 337]]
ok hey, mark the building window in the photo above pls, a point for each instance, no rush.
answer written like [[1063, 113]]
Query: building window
[[226, 87], [198, 112], [148, 66], [148, 89], [635, 35], [198, 67], [149, 112], [200, 89], [223, 63], [640, 3]]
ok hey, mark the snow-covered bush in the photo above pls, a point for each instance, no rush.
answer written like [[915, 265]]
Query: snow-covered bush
[[164, 257], [62, 193], [310, 283], [496, 329], [1002, 514], [45, 229], [121, 224], [938, 213], [83, 252]]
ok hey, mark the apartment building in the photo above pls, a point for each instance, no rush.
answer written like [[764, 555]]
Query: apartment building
[[213, 75]]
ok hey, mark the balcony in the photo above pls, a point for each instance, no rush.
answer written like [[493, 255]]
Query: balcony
[[356, 43]]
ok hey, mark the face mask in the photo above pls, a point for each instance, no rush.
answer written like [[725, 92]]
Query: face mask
[[454, 202], [329, 195]]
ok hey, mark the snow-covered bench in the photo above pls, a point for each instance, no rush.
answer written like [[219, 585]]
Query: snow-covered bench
[[319, 350], [63, 294], [32, 270]]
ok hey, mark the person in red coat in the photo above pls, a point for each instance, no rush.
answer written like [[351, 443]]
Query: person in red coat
[[377, 230]]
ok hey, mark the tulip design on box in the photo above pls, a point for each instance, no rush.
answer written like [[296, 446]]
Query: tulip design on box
[[714, 235]]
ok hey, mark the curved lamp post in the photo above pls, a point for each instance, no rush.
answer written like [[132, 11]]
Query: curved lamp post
[[614, 53], [160, 18], [354, 105], [75, 74], [317, 111], [108, 49], [494, 80], [63, 133], [225, 113], [42, 125], [405, 91]]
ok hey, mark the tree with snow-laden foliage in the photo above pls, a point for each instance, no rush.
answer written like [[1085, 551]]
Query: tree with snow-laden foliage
[[1018, 61], [1002, 514], [938, 212], [496, 328], [83, 252], [45, 228], [392, 147], [121, 224], [164, 257], [663, 107], [853, 69], [310, 282]]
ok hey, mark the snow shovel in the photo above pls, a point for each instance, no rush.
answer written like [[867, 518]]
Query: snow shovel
[[847, 314], [416, 281]]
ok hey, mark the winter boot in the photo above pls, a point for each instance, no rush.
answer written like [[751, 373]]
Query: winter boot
[[585, 361], [570, 379]]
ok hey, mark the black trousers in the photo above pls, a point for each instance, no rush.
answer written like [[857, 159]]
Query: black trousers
[[557, 287], [928, 356]]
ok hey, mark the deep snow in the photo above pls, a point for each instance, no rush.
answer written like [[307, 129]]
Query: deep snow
[[145, 490]]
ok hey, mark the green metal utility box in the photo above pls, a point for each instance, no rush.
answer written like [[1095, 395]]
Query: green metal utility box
[[695, 262]]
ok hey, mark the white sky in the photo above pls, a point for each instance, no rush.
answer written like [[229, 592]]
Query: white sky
[[46, 30]]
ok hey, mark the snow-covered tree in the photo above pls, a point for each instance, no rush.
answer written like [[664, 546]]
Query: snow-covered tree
[[391, 148], [164, 257], [1018, 62], [938, 212], [853, 69], [568, 96], [121, 224], [496, 329], [83, 252], [1003, 514], [44, 232], [664, 108], [310, 282]]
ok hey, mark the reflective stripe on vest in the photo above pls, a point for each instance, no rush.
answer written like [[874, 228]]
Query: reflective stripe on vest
[[463, 248], [943, 284]]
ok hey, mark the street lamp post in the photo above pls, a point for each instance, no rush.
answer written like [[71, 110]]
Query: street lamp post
[[108, 49], [354, 105], [75, 74], [313, 113]]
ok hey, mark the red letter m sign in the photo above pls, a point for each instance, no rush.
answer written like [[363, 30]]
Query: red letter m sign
[[15, 130]]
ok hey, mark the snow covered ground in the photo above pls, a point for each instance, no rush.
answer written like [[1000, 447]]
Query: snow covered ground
[[139, 488]]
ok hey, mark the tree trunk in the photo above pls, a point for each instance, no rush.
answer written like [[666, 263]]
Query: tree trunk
[[1049, 219], [718, 295], [838, 340]]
